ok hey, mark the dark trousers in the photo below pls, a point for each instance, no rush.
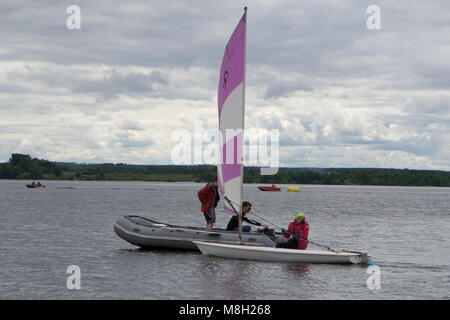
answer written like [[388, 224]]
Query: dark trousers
[[292, 243], [245, 228]]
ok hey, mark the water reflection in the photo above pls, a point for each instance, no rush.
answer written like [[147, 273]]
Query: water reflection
[[155, 250], [299, 270], [231, 279]]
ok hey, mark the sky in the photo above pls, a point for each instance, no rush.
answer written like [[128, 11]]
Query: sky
[[115, 90]]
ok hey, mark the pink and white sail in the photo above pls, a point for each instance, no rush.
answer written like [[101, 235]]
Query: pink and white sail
[[231, 101]]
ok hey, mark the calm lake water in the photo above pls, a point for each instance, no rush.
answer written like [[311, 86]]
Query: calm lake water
[[43, 231]]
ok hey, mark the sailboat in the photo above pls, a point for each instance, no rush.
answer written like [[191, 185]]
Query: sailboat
[[231, 111], [149, 234]]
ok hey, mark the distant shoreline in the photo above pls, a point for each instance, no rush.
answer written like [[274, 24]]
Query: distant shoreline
[[27, 181], [23, 167]]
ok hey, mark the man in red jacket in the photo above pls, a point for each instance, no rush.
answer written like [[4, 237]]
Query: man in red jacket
[[299, 230], [209, 197]]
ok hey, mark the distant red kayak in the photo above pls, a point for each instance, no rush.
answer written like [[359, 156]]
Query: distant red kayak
[[34, 186], [272, 188]]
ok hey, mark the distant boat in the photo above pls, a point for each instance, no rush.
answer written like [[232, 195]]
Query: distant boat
[[272, 188], [35, 186]]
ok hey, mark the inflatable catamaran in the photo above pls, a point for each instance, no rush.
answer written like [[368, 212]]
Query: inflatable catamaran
[[150, 234]]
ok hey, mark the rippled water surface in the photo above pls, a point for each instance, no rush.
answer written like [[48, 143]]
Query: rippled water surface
[[43, 231]]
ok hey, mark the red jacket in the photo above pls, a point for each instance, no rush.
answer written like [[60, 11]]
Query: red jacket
[[206, 197], [300, 230]]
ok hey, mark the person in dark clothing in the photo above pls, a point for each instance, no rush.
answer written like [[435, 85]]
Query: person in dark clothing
[[209, 197], [233, 224]]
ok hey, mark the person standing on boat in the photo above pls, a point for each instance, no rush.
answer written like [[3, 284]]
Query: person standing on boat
[[233, 224], [299, 230], [209, 197]]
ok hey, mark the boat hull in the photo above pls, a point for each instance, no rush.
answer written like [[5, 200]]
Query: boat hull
[[233, 251], [32, 187], [269, 189], [150, 234]]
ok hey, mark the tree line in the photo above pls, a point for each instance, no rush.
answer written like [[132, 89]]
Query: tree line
[[21, 166]]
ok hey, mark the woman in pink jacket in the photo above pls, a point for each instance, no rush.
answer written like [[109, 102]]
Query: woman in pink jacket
[[299, 230]]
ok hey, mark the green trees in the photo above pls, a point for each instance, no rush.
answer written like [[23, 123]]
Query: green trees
[[21, 160], [8, 171], [357, 176], [22, 166]]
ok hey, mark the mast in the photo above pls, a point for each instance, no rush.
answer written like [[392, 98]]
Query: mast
[[243, 120]]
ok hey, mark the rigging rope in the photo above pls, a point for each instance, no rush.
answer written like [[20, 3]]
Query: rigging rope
[[272, 223]]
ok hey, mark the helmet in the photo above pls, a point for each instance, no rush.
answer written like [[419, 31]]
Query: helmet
[[299, 215]]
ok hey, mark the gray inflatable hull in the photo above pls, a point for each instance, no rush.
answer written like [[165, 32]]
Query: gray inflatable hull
[[149, 234]]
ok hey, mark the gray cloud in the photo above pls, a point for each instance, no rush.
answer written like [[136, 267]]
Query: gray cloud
[[284, 89], [432, 105], [313, 70], [116, 83], [13, 88]]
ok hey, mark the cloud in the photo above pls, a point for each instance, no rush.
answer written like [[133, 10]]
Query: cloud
[[340, 94], [115, 83], [94, 81], [283, 89], [128, 124], [431, 105], [13, 88]]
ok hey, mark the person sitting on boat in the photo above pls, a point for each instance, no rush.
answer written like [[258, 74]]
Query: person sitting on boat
[[299, 230], [33, 184], [233, 224], [39, 184], [209, 197]]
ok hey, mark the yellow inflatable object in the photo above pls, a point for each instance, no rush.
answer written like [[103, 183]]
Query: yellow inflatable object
[[293, 189]]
